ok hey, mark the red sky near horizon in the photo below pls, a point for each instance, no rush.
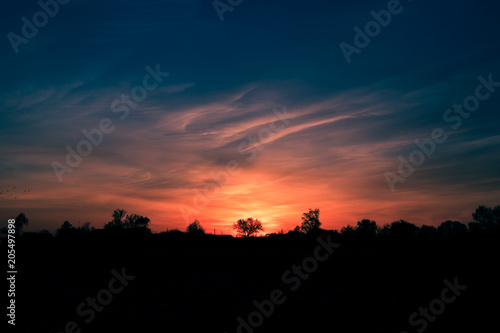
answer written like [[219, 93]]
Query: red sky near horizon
[[285, 162]]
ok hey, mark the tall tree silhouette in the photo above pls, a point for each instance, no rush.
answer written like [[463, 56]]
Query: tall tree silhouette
[[21, 222], [248, 227], [117, 221], [310, 221], [496, 214], [486, 218]]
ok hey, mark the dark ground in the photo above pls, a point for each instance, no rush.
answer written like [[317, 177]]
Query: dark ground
[[204, 286]]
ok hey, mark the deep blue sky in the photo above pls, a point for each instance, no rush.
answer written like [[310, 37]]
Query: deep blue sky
[[348, 122]]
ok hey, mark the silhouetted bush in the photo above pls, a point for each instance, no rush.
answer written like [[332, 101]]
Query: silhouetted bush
[[195, 228]]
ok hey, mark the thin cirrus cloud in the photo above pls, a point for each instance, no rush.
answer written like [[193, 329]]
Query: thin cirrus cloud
[[317, 157], [331, 155]]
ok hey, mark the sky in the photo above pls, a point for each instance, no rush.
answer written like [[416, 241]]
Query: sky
[[203, 109]]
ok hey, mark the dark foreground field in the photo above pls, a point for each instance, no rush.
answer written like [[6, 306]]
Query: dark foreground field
[[205, 285]]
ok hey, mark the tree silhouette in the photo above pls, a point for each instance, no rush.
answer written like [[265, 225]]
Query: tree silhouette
[[367, 228], [21, 222], [295, 230], [248, 227], [310, 221], [117, 221], [402, 230], [450, 229], [135, 221], [347, 230], [486, 218], [86, 227], [496, 216], [120, 221], [66, 225], [427, 233], [195, 228]]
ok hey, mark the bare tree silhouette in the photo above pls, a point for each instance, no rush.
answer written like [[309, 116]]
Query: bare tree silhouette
[[248, 227]]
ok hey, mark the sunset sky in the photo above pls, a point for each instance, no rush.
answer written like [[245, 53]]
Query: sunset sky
[[324, 131]]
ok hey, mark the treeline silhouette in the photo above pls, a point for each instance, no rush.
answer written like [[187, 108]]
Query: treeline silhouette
[[130, 230], [194, 281]]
